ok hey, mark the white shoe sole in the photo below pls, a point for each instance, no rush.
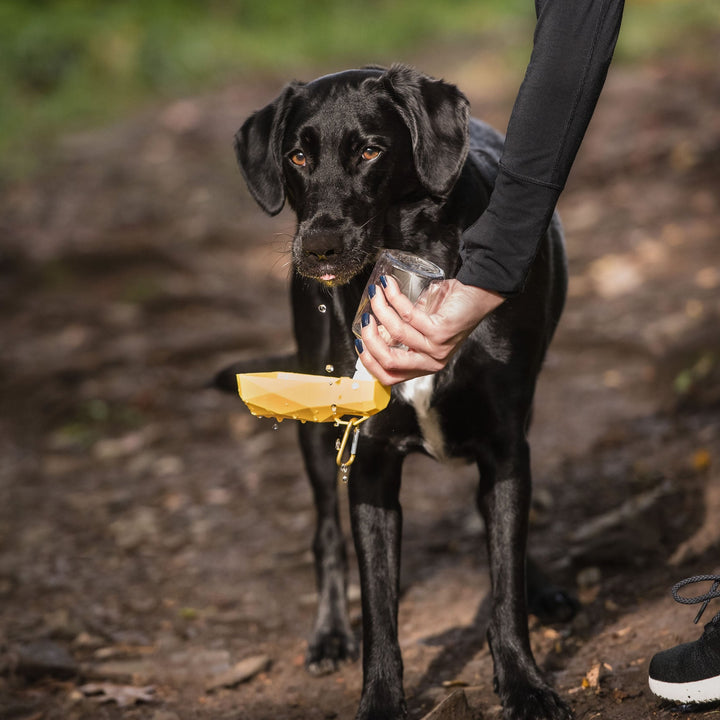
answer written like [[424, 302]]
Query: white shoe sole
[[700, 691]]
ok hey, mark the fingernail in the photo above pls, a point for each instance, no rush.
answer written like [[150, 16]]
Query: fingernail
[[383, 281], [365, 319], [371, 291], [358, 345]]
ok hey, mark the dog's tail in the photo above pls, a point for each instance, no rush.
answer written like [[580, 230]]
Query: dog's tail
[[226, 381]]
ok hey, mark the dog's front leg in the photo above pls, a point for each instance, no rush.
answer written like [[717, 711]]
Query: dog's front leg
[[504, 501], [332, 641], [376, 517]]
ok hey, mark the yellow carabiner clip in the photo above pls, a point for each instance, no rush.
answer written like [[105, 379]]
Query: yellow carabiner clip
[[350, 425]]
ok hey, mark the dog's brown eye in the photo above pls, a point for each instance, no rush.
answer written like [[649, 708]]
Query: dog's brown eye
[[370, 153], [298, 159]]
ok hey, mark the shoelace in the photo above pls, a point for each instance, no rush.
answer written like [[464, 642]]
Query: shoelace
[[711, 594]]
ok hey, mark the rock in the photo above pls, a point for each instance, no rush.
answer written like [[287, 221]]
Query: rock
[[453, 707], [240, 672], [43, 659]]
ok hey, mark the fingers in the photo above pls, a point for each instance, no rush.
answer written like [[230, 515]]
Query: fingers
[[391, 365], [399, 318]]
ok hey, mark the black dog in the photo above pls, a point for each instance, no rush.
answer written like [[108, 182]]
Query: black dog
[[377, 158]]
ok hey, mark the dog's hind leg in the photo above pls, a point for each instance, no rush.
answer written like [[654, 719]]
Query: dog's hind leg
[[504, 501], [376, 517], [332, 641]]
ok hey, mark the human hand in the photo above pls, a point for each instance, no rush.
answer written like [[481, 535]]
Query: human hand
[[430, 339]]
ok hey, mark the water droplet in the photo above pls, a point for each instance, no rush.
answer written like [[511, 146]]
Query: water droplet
[[344, 473], [322, 308], [337, 444], [333, 409], [275, 426], [329, 368]]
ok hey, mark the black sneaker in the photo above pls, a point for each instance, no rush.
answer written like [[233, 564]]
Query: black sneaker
[[690, 673]]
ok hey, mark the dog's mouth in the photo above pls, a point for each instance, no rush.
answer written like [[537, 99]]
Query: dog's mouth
[[330, 277], [330, 256], [331, 273]]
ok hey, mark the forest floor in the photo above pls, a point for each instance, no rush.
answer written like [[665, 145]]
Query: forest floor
[[155, 538]]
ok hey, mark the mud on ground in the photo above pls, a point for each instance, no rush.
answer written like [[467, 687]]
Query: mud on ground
[[154, 537]]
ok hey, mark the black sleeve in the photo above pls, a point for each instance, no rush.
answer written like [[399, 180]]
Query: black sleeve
[[573, 46]]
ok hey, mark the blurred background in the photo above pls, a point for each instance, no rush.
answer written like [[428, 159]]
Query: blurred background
[[154, 537], [68, 64]]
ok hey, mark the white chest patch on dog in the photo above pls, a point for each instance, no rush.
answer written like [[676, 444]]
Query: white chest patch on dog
[[418, 392]]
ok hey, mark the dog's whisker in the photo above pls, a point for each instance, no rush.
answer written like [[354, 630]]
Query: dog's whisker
[[368, 221]]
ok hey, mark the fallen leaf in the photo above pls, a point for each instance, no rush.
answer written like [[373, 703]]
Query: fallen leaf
[[701, 460], [123, 695], [454, 683], [239, 673], [620, 695], [593, 676]]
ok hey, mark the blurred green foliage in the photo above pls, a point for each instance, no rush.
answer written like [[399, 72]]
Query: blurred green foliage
[[73, 63]]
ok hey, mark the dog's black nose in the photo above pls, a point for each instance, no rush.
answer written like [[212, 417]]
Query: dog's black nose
[[323, 245]]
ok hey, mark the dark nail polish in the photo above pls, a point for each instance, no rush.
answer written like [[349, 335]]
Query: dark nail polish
[[358, 345], [371, 291], [365, 319], [383, 281]]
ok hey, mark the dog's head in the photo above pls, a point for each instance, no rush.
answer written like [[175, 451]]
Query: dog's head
[[347, 150]]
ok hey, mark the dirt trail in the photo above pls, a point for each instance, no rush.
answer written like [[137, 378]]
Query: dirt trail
[[153, 534]]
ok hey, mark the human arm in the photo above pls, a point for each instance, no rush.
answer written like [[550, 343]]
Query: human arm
[[573, 46]]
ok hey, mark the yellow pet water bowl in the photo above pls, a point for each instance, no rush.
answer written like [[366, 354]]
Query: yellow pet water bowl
[[315, 398]]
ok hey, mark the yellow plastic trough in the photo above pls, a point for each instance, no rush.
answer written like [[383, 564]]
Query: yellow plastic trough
[[313, 398]]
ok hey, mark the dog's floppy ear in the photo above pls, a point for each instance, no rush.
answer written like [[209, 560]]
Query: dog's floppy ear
[[257, 147], [437, 115]]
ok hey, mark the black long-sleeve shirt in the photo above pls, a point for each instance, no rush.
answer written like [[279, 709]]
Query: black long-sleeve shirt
[[573, 46]]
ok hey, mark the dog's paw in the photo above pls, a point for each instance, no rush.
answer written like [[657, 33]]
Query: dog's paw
[[328, 650], [536, 703]]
